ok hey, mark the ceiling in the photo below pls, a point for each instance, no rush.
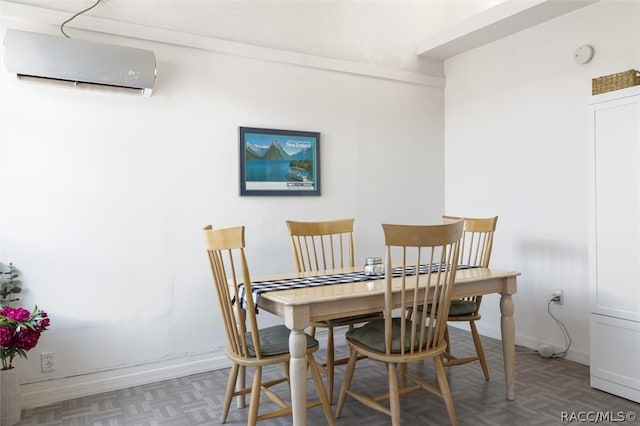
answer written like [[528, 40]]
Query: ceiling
[[376, 32]]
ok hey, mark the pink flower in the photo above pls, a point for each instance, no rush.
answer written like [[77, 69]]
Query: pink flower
[[43, 322], [6, 336], [18, 314], [27, 339]]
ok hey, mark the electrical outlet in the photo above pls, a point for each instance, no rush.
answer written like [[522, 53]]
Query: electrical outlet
[[47, 361], [557, 296]]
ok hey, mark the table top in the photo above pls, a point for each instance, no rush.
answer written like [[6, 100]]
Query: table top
[[299, 306]]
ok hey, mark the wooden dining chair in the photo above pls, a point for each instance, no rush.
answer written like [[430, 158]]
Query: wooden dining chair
[[400, 340], [475, 251], [319, 246], [248, 345]]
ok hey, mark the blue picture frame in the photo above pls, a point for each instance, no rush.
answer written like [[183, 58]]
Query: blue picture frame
[[279, 162]]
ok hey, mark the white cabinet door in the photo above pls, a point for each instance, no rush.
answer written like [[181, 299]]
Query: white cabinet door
[[615, 287]]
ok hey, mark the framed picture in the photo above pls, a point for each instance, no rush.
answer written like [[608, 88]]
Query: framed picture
[[279, 162]]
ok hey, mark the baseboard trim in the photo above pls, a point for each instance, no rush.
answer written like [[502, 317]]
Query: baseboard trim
[[52, 391]]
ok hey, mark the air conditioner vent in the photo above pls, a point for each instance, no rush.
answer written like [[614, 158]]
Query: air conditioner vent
[[80, 63]]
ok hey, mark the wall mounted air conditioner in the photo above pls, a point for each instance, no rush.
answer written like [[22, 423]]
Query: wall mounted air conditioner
[[80, 63]]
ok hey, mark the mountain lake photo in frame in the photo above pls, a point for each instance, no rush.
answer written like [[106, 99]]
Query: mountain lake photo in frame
[[279, 162]]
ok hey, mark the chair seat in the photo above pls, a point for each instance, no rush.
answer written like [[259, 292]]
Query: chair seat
[[354, 319], [275, 341], [460, 307], [372, 335]]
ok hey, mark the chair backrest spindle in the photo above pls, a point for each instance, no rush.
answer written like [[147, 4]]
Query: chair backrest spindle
[[322, 245], [477, 240]]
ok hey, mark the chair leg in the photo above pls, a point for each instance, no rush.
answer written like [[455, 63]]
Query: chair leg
[[317, 379], [241, 383], [255, 396], [394, 394], [479, 350], [447, 350], [403, 375], [346, 382], [443, 384], [228, 393], [330, 364]]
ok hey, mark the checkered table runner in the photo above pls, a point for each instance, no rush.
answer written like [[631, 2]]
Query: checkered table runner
[[259, 287]]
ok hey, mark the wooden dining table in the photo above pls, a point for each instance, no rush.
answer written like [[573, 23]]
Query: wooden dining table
[[300, 306]]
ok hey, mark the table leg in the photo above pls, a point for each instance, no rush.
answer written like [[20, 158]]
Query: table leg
[[508, 330], [298, 373]]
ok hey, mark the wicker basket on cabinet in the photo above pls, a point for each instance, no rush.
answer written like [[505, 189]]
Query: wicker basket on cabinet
[[616, 81]]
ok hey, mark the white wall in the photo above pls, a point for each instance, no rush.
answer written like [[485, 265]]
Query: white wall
[[103, 196], [516, 132]]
